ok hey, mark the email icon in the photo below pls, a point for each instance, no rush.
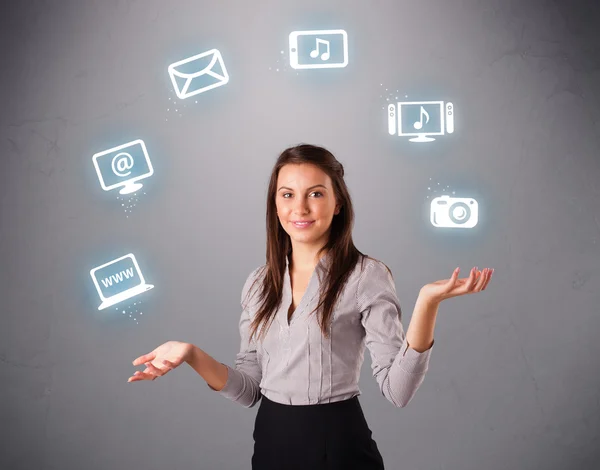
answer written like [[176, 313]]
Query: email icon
[[198, 74]]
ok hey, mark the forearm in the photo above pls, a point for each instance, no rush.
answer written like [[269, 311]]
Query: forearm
[[209, 368], [408, 369], [422, 324]]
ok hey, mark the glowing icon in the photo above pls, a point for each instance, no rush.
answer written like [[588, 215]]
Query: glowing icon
[[317, 51], [123, 166], [420, 119], [119, 280], [320, 49], [198, 74], [454, 212]]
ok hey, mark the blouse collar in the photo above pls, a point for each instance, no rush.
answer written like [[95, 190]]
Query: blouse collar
[[320, 267]]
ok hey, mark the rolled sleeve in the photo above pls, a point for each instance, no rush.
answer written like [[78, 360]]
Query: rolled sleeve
[[243, 381], [398, 369]]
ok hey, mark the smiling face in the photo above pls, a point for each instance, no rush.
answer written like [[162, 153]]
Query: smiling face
[[305, 193]]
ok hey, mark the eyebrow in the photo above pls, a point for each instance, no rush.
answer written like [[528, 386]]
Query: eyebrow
[[308, 189]]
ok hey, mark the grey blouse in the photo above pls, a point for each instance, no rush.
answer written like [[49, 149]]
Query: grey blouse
[[295, 364]]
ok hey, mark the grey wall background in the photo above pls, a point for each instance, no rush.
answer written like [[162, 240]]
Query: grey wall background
[[513, 379]]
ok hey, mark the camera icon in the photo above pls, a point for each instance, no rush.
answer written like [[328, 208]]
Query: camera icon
[[454, 212]]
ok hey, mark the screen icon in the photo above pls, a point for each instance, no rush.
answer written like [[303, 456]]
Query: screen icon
[[420, 119], [198, 74], [454, 212], [123, 166], [119, 280], [319, 49]]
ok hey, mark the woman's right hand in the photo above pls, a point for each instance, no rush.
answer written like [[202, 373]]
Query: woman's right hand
[[159, 362]]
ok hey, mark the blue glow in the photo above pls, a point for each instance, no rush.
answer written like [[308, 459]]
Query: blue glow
[[420, 119], [318, 49], [119, 280], [198, 74], [123, 166], [454, 212]]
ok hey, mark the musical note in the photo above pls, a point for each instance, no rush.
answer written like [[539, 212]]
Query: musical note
[[324, 55], [419, 124]]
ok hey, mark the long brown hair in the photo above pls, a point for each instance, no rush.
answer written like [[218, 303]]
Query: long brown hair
[[342, 255]]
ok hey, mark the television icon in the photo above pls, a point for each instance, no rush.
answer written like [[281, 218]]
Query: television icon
[[119, 280], [454, 212], [420, 119], [123, 166]]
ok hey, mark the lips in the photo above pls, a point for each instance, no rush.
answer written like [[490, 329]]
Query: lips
[[303, 224]]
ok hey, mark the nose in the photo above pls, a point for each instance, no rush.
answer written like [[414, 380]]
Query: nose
[[300, 206]]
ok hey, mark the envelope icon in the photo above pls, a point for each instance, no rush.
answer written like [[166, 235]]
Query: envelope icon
[[198, 74]]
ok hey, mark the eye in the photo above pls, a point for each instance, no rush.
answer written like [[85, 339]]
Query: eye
[[320, 194]]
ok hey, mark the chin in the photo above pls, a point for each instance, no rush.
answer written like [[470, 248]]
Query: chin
[[307, 238]]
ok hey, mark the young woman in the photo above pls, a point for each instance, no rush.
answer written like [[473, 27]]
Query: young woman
[[318, 302]]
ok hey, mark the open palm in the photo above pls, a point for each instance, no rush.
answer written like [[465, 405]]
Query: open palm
[[453, 287], [159, 362]]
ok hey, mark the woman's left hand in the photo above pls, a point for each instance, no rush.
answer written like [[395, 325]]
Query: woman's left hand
[[453, 287]]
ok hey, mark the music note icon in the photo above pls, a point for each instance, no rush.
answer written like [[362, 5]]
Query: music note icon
[[325, 55], [419, 124]]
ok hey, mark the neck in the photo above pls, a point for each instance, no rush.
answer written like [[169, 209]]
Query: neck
[[305, 258]]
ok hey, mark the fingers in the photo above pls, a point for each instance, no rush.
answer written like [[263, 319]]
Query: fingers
[[481, 275], [137, 376], [471, 280], [483, 279], [453, 281], [152, 372], [477, 280], [487, 279], [145, 358], [151, 368]]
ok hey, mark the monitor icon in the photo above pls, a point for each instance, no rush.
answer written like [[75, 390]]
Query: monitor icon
[[123, 166], [119, 280], [420, 119]]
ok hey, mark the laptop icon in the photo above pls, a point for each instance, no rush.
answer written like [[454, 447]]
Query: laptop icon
[[119, 280]]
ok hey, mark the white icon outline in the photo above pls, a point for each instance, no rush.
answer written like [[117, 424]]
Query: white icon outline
[[293, 48], [443, 219], [395, 120], [126, 294], [129, 185], [223, 78]]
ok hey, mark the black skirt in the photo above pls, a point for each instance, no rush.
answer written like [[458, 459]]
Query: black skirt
[[329, 436]]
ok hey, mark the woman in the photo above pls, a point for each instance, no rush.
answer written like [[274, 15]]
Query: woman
[[318, 302]]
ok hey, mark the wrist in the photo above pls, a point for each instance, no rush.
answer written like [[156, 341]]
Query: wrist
[[428, 299], [193, 355]]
